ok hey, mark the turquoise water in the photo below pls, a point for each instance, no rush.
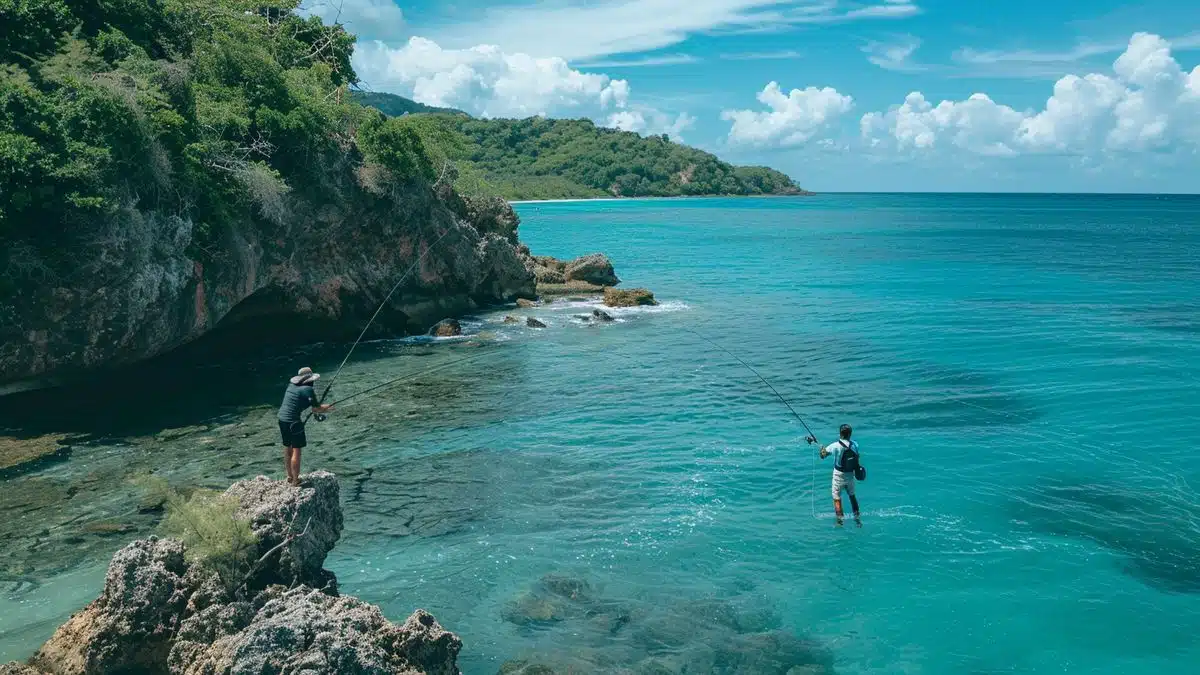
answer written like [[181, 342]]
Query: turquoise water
[[1022, 373]]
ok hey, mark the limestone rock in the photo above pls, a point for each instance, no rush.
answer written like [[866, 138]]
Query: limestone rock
[[632, 297], [534, 323], [594, 269], [525, 304], [276, 510], [302, 630], [446, 328], [546, 275], [511, 319], [128, 628], [601, 315]]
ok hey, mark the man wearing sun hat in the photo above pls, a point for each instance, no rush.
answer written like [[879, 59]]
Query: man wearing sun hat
[[299, 396]]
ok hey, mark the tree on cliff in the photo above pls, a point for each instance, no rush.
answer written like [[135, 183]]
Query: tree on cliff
[[204, 111]]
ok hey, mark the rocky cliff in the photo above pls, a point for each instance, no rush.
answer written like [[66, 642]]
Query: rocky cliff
[[161, 611], [147, 288]]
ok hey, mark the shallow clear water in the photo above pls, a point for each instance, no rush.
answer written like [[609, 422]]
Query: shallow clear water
[[1023, 376]]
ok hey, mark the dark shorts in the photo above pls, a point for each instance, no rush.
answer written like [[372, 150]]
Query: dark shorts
[[293, 434]]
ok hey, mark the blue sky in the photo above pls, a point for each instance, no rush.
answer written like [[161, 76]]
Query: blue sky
[[1018, 95]]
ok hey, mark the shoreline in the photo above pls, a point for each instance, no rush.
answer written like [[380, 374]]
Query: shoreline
[[647, 199]]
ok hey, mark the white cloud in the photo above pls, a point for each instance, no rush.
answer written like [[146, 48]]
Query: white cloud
[[664, 60], [368, 19], [781, 55], [652, 121], [582, 30], [486, 81], [1022, 63], [894, 55], [1148, 103], [792, 119]]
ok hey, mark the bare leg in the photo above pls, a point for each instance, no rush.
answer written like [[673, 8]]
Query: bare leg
[[854, 505], [287, 462], [837, 509], [295, 466]]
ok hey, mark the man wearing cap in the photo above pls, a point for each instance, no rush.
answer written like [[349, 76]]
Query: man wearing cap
[[845, 461], [300, 395]]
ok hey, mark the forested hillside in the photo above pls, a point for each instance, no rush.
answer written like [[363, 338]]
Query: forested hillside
[[540, 158]]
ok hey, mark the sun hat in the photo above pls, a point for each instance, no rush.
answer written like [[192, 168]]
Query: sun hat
[[305, 376]]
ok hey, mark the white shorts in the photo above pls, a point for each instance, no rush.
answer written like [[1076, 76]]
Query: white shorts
[[842, 481]]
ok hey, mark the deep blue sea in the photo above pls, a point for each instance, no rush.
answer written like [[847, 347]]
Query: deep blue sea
[[1022, 373]]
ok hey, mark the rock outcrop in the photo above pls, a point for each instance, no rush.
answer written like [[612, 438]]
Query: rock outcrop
[[534, 323], [446, 328], [18, 455], [632, 297], [587, 275], [160, 612], [595, 268]]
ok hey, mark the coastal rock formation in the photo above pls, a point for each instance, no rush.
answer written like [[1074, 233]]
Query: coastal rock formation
[[276, 511], [534, 323], [160, 612], [446, 328], [602, 316], [304, 630], [632, 297], [130, 625], [595, 268], [146, 289]]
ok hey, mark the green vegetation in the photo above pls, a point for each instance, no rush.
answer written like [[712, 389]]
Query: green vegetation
[[539, 158], [172, 116], [213, 535]]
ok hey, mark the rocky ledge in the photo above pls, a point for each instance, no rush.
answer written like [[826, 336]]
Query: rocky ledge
[[162, 610], [591, 274]]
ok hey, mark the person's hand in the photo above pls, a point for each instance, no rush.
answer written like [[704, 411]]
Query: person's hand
[[824, 453]]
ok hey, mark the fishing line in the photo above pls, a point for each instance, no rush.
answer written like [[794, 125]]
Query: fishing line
[[812, 437], [408, 376], [395, 287]]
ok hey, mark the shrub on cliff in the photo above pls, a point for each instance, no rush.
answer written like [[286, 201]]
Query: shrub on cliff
[[214, 534], [206, 111]]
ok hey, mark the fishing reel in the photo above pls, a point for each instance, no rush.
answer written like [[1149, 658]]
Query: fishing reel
[[810, 439], [320, 417]]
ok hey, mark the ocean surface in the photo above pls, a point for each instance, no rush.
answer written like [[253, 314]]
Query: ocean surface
[[1022, 373]]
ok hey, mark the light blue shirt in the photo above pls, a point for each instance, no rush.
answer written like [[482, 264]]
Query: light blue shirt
[[835, 448]]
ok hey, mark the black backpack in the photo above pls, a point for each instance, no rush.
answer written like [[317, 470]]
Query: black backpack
[[848, 461]]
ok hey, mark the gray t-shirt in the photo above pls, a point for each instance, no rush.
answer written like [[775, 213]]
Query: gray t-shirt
[[296, 400]]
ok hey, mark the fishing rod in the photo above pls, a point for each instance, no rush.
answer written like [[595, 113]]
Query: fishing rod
[[329, 387], [409, 376], [812, 438]]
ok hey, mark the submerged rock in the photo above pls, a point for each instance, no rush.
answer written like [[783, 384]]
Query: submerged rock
[[632, 297], [534, 323], [446, 328], [601, 315], [593, 269], [511, 319], [20, 454]]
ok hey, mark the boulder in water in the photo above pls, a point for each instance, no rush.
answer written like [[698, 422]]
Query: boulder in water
[[525, 304], [632, 297], [534, 323], [601, 315], [594, 269], [446, 328], [511, 319]]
